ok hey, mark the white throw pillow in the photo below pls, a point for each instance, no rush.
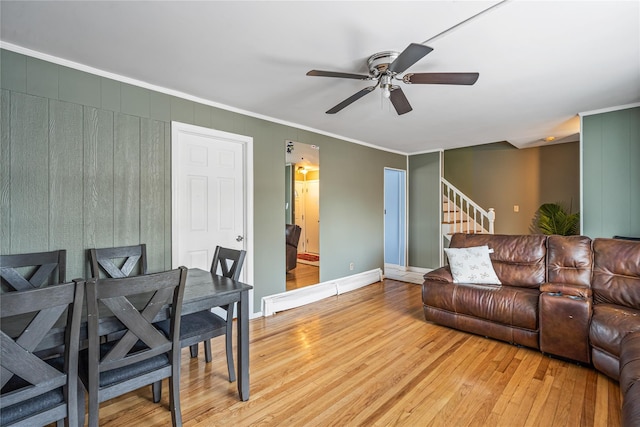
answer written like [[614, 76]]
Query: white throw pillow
[[472, 265]]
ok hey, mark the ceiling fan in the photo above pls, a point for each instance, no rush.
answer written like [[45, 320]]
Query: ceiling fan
[[385, 68]]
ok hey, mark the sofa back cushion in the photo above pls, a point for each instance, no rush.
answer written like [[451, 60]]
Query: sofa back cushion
[[517, 260], [569, 260], [616, 272]]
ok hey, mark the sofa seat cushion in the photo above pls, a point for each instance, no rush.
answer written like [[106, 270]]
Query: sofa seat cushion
[[610, 324], [506, 305]]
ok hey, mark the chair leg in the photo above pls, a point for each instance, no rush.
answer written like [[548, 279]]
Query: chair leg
[[80, 404], [174, 405], [207, 350], [229, 348], [94, 410], [194, 350], [156, 389]]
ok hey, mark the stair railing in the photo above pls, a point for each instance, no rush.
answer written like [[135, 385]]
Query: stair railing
[[467, 216]]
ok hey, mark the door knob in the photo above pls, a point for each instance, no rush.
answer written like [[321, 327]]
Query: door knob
[[239, 239]]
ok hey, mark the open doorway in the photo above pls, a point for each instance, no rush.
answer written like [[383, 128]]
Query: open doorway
[[302, 215], [394, 218]]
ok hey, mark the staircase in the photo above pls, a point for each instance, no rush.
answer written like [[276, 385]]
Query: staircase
[[460, 214]]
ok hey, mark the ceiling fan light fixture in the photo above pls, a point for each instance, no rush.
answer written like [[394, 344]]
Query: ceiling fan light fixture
[[385, 84], [385, 67]]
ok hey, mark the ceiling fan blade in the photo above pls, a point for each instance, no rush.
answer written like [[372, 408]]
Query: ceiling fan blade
[[320, 73], [441, 78], [351, 99], [399, 100], [412, 54]]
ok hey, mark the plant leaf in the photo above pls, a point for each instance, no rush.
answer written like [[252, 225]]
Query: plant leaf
[[553, 219]]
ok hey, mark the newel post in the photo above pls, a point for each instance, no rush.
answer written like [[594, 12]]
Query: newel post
[[492, 217]]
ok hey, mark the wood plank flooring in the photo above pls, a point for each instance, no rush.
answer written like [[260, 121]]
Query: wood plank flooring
[[303, 275], [368, 358]]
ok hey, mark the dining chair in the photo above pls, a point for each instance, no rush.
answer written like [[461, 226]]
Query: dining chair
[[142, 355], [38, 390], [21, 272], [118, 261], [204, 325]]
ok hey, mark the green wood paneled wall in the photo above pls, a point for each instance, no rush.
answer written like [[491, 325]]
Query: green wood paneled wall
[[76, 177], [611, 173], [86, 162]]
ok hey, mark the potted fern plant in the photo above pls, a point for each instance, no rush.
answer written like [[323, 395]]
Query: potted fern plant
[[552, 218]]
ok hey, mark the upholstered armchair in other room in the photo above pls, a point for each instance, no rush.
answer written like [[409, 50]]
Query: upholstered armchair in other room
[[292, 236]]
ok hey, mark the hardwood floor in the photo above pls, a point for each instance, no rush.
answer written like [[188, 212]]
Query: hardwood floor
[[369, 358], [303, 275]]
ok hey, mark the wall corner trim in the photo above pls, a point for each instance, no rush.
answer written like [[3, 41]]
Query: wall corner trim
[[135, 82], [608, 110]]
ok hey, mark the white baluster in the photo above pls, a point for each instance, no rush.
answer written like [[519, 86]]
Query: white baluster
[[460, 207], [492, 217]]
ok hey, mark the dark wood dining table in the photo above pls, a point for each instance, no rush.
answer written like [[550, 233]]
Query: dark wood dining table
[[203, 290]]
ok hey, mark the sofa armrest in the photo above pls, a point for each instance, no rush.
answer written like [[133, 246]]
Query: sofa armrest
[[565, 313], [566, 289], [442, 274]]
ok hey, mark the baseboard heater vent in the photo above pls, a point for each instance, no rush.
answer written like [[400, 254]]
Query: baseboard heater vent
[[298, 297]]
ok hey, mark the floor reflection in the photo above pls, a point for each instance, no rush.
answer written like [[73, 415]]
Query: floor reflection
[[303, 275]]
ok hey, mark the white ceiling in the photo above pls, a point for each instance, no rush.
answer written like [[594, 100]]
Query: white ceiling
[[540, 62]]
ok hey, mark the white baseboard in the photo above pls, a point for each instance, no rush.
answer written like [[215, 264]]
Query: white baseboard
[[298, 297], [405, 274]]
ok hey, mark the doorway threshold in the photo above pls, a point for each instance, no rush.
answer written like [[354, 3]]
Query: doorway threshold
[[405, 274], [298, 297]]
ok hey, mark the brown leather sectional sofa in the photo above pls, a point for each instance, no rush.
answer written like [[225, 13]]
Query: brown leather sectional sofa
[[570, 297]]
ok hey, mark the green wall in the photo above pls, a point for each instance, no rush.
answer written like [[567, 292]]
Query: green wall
[[85, 162], [500, 176], [352, 177], [424, 210], [611, 173]]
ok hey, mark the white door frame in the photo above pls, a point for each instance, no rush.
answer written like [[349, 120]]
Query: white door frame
[[405, 212], [247, 142]]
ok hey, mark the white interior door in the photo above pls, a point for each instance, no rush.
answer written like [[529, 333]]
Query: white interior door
[[209, 197], [312, 216], [300, 215]]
